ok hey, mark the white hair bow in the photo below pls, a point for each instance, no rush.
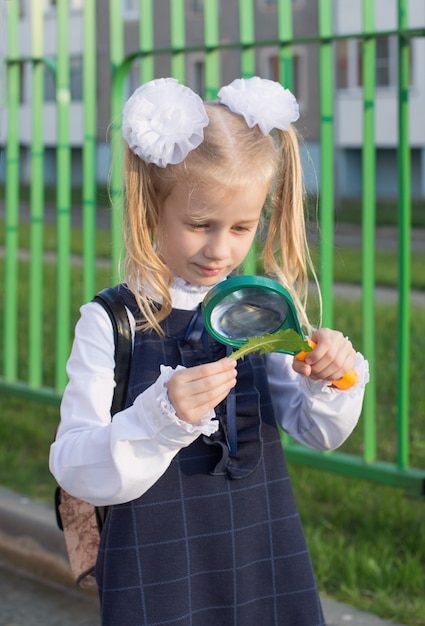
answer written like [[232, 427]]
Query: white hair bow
[[163, 120], [261, 101]]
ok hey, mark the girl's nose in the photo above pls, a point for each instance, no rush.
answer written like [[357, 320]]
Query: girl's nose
[[217, 247]]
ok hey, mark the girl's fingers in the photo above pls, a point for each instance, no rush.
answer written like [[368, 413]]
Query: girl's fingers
[[191, 384], [194, 410], [195, 391], [201, 372], [332, 357]]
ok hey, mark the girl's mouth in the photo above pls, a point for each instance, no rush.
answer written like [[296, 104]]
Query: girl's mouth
[[209, 271]]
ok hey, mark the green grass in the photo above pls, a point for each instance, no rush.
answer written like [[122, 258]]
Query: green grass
[[50, 195], [103, 279], [102, 242], [387, 212], [348, 267], [367, 540], [27, 428], [367, 543]]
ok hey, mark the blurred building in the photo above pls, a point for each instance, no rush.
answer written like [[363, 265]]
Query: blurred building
[[346, 71], [349, 98]]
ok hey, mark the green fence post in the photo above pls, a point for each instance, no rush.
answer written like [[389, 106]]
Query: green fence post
[[178, 39], [247, 39], [63, 195], [285, 36], [212, 59], [368, 226], [89, 149], [116, 56], [327, 95], [35, 302], [146, 36], [12, 199], [405, 212]]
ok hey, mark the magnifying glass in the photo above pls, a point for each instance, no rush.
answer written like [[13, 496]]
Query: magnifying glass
[[242, 307]]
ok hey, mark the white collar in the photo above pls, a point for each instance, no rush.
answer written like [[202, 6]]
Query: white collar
[[186, 296]]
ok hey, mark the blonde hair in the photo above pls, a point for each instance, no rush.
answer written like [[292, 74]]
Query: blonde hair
[[232, 155]]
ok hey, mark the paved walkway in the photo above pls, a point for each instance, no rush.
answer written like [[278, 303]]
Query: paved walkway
[[386, 237], [28, 601], [35, 580]]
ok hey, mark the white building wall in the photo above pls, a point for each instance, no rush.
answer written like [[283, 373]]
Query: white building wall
[[349, 102], [75, 47]]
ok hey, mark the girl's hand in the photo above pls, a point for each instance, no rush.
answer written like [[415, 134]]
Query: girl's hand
[[196, 390], [332, 357]]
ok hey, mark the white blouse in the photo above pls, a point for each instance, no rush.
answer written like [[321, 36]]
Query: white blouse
[[110, 462]]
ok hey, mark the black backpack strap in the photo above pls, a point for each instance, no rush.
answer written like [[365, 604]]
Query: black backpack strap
[[114, 305]]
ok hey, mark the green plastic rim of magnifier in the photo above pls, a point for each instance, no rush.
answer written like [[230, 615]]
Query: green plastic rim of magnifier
[[236, 283]]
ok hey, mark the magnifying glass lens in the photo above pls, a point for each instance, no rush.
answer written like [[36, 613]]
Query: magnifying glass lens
[[248, 313]]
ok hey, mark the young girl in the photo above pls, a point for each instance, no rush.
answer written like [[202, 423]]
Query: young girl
[[196, 534]]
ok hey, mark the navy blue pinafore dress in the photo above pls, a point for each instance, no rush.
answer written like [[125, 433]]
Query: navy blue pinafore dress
[[217, 541]]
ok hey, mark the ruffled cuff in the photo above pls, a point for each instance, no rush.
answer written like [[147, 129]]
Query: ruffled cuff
[[154, 406], [361, 367], [205, 425]]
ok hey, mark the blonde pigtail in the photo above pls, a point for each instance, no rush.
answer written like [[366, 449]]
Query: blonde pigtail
[[146, 275], [286, 253]]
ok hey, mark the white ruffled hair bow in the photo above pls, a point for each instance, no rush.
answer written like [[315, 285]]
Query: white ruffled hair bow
[[163, 120], [261, 101]]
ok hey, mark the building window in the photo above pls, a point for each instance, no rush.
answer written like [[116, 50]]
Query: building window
[[197, 6], [49, 85], [298, 60], [133, 80], [75, 81], [273, 3], [73, 4], [350, 59], [349, 64], [199, 77], [130, 9], [386, 62], [24, 72]]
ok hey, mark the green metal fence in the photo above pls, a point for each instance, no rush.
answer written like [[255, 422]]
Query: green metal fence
[[24, 368]]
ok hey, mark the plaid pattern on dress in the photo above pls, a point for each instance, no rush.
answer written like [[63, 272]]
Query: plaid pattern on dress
[[217, 541]]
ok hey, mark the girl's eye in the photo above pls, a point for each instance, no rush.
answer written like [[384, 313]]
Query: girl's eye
[[197, 226], [241, 229]]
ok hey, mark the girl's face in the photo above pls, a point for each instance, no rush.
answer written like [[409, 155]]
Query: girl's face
[[204, 235]]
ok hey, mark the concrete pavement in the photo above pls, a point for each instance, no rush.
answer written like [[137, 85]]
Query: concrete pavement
[[29, 601], [32, 545]]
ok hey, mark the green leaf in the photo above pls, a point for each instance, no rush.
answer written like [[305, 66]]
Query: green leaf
[[288, 340]]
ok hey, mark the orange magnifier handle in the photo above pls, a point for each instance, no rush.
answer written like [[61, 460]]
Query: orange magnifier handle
[[347, 381]]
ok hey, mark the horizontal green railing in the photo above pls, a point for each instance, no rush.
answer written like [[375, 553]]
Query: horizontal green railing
[[26, 369]]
